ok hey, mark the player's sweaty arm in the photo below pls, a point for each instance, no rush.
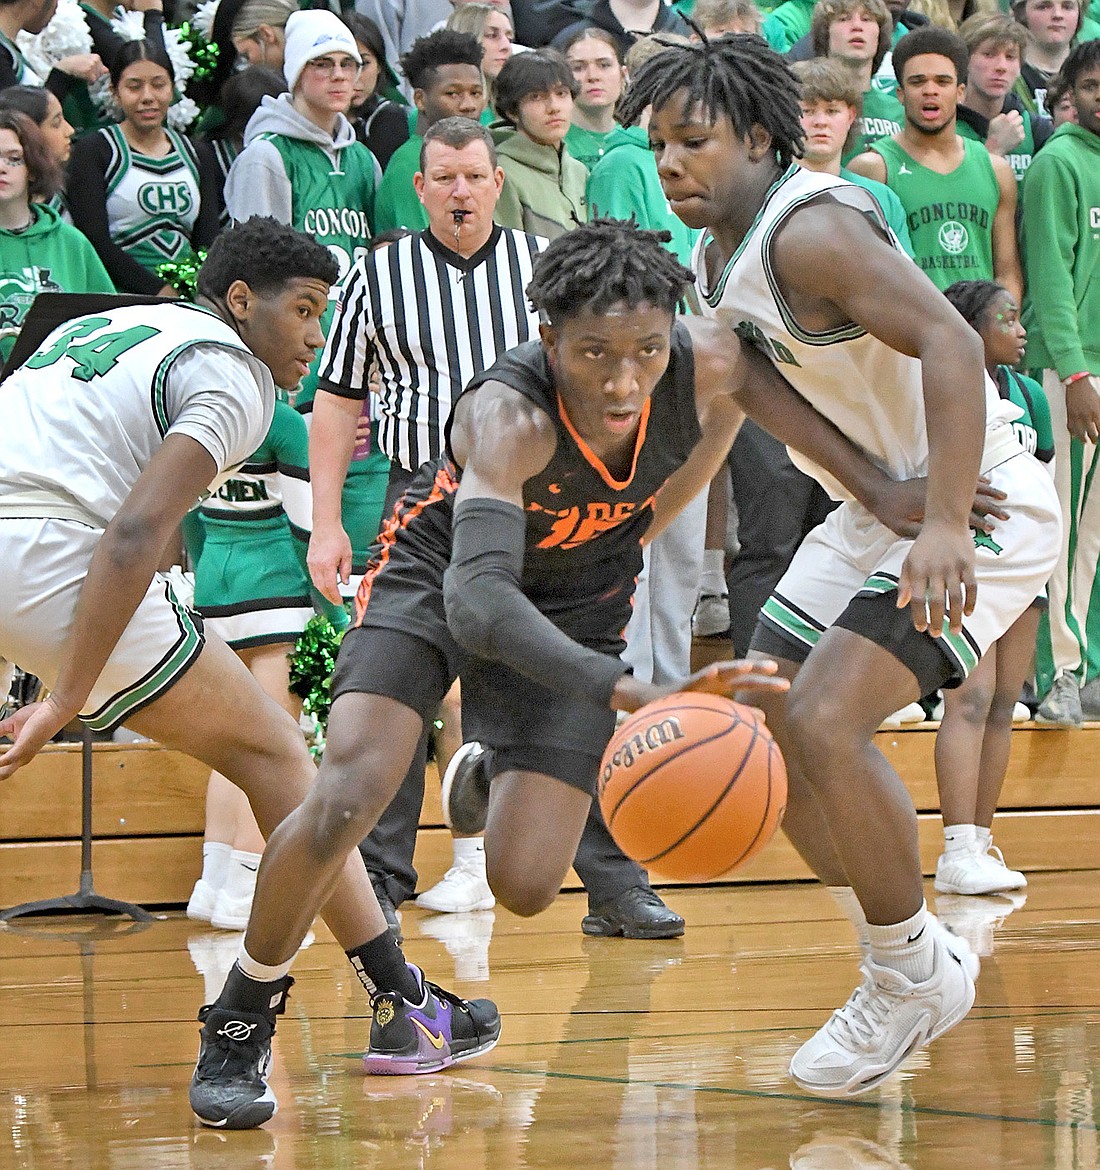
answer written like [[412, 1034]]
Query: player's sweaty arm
[[331, 443], [832, 256], [119, 573], [502, 440]]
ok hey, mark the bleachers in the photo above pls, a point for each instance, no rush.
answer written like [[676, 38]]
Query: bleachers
[[148, 816]]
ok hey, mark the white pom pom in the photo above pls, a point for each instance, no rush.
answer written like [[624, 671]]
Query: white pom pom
[[182, 113], [203, 20], [130, 26], [66, 35]]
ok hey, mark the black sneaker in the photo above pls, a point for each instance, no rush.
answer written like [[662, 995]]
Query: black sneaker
[[635, 913], [228, 1087], [465, 790], [443, 1029]]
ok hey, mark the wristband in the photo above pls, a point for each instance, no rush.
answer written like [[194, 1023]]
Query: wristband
[[1067, 382]]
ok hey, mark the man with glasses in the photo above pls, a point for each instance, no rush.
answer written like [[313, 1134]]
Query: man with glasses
[[303, 166]]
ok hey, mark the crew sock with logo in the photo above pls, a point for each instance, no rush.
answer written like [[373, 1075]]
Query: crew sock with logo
[[240, 878], [907, 947], [381, 966]]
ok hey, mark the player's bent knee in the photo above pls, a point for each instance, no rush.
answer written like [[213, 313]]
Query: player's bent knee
[[523, 893]]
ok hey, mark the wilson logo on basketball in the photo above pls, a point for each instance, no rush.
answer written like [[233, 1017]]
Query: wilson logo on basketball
[[648, 739]]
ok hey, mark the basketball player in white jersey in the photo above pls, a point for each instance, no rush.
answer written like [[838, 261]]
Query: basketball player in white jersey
[[115, 427], [803, 264]]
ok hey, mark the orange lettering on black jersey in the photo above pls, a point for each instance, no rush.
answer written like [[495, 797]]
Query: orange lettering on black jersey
[[572, 527]]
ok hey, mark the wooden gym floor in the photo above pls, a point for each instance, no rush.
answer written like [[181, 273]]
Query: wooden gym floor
[[614, 1055]]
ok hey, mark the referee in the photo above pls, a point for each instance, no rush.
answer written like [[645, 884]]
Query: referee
[[429, 312]]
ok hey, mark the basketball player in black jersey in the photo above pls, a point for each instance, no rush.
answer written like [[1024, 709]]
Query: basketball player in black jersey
[[511, 561]]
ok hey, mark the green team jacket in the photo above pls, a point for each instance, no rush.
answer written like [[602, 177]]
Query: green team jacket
[[48, 256], [1034, 428], [1061, 253]]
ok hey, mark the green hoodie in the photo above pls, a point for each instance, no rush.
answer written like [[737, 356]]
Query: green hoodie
[[1061, 253], [543, 187], [624, 183], [48, 256]]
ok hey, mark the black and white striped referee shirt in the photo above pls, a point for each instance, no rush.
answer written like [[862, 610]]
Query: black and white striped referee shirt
[[431, 319]]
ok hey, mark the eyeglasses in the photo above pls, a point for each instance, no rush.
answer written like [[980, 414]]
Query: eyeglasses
[[330, 66], [13, 158]]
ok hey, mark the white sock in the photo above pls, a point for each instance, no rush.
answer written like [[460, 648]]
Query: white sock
[[469, 851], [258, 971], [713, 577], [983, 839], [959, 838], [215, 863], [241, 880], [845, 898], [907, 947]]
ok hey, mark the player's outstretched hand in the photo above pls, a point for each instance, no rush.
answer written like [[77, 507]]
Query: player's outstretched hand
[[31, 727], [741, 674], [900, 506], [329, 562], [720, 678], [937, 580]]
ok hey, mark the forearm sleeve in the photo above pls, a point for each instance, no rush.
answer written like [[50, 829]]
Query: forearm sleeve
[[490, 617]]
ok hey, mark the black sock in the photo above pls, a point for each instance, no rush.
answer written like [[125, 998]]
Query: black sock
[[242, 993], [381, 966]]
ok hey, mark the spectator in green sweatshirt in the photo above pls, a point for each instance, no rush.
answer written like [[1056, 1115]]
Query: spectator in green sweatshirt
[[1061, 237]]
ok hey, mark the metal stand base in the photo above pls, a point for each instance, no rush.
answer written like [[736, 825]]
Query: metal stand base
[[85, 900]]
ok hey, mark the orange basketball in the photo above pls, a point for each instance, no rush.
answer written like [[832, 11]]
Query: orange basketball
[[692, 786]]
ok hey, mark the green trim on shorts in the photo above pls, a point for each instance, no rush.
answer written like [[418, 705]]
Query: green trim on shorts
[[958, 650], [877, 583], [790, 622], [158, 680]]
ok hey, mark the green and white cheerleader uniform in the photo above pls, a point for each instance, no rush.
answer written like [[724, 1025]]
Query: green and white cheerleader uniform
[[251, 583], [138, 211]]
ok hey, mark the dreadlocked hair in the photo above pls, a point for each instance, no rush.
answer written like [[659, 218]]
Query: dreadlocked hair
[[973, 298], [606, 262], [737, 75]]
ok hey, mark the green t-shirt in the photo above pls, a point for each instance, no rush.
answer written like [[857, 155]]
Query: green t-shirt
[[890, 204], [1020, 159], [397, 203], [587, 146], [950, 217], [788, 23], [883, 116]]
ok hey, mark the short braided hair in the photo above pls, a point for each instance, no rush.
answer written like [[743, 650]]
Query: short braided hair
[[737, 75], [972, 298], [606, 262]]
